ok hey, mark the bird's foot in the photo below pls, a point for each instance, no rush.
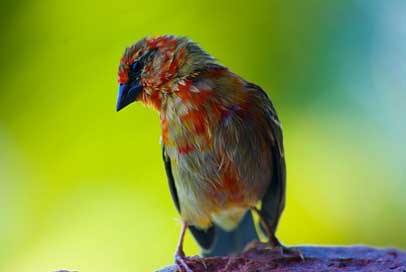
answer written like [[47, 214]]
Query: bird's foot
[[199, 260], [278, 249], [180, 261], [289, 252]]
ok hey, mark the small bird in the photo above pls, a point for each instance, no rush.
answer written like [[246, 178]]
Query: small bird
[[221, 141]]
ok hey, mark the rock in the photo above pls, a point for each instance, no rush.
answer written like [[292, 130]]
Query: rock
[[316, 258]]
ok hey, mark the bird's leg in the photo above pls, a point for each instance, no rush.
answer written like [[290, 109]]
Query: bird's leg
[[180, 258], [273, 240]]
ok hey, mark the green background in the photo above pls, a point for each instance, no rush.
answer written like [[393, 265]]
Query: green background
[[83, 187]]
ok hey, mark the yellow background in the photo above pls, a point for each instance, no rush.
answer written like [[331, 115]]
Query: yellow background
[[83, 187]]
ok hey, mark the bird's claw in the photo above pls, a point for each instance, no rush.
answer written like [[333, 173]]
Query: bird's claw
[[180, 261], [182, 265], [289, 252], [201, 261]]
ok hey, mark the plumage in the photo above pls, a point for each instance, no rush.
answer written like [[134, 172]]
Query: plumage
[[221, 140]]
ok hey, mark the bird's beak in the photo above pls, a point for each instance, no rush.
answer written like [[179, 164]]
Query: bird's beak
[[127, 94]]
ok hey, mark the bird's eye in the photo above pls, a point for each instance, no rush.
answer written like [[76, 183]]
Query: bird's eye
[[135, 66], [135, 70]]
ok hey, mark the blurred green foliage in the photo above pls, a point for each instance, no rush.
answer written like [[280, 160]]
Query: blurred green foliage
[[83, 188]]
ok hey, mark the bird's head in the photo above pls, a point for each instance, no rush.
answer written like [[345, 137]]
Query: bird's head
[[150, 68]]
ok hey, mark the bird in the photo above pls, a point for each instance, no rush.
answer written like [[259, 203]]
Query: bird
[[222, 143]]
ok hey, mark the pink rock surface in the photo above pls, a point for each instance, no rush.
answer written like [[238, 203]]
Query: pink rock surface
[[324, 259]]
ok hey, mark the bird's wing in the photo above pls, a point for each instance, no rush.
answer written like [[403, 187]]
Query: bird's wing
[[273, 201], [205, 238]]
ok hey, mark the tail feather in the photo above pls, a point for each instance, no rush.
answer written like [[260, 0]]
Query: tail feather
[[228, 243]]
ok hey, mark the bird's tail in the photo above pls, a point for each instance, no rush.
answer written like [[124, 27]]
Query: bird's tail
[[228, 243]]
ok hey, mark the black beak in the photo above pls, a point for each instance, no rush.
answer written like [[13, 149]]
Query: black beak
[[127, 93]]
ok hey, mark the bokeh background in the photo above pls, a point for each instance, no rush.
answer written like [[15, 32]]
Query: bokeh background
[[83, 187]]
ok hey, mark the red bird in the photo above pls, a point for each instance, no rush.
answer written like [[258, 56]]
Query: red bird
[[221, 140]]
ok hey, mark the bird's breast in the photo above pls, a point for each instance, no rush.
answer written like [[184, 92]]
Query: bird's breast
[[218, 166]]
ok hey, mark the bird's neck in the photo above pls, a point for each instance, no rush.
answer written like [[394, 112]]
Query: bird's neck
[[195, 108], [187, 126]]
